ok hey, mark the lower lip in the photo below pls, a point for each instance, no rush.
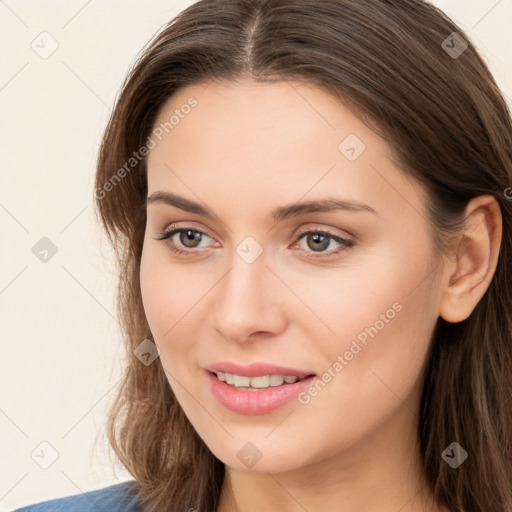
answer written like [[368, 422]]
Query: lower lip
[[262, 401]]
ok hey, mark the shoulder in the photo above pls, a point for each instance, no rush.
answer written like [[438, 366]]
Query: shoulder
[[115, 498]]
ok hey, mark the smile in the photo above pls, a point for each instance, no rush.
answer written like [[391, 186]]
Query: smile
[[258, 382], [250, 399]]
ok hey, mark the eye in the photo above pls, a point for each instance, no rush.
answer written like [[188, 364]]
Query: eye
[[317, 240], [188, 237], [320, 240]]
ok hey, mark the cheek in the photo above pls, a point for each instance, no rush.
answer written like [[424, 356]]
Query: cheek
[[383, 320], [151, 291], [382, 290], [173, 299], [162, 295], [378, 312]]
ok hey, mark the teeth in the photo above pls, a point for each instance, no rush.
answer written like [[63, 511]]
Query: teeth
[[264, 381], [238, 381], [277, 380], [260, 382]]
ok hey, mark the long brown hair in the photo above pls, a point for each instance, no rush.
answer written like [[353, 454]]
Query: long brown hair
[[449, 127]]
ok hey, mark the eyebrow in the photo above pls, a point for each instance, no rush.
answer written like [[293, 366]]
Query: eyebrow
[[278, 214]]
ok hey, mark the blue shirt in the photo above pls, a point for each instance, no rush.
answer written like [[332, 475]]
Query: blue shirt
[[116, 498]]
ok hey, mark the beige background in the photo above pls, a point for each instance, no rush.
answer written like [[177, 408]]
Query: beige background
[[60, 347]]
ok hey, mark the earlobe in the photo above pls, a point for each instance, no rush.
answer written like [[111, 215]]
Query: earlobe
[[468, 276]]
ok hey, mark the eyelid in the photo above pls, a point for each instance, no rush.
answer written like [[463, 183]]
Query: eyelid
[[176, 227], [301, 231], [330, 231], [345, 242]]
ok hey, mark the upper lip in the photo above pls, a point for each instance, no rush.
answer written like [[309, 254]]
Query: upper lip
[[256, 369]]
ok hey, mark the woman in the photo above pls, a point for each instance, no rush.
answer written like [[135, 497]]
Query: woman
[[311, 207]]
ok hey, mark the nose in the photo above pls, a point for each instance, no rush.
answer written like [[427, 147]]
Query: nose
[[249, 301]]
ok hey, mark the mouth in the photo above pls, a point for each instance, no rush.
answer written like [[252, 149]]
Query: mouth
[[258, 382], [257, 394]]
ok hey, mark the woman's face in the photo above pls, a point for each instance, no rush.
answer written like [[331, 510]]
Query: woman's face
[[255, 289]]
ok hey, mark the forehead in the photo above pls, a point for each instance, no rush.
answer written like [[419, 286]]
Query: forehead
[[253, 113], [281, 141]]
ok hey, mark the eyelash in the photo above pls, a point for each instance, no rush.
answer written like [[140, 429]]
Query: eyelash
[[344, 242]]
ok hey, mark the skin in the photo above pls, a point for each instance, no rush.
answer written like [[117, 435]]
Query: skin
[[245, 149]]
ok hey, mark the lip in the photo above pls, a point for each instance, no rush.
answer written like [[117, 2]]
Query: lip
[[256, 369], [262, 401]]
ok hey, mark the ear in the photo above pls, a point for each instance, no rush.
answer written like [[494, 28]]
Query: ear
[[468, 274]]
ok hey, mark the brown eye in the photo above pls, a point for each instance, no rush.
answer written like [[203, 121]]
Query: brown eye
[[318, 241], [188, 238]]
